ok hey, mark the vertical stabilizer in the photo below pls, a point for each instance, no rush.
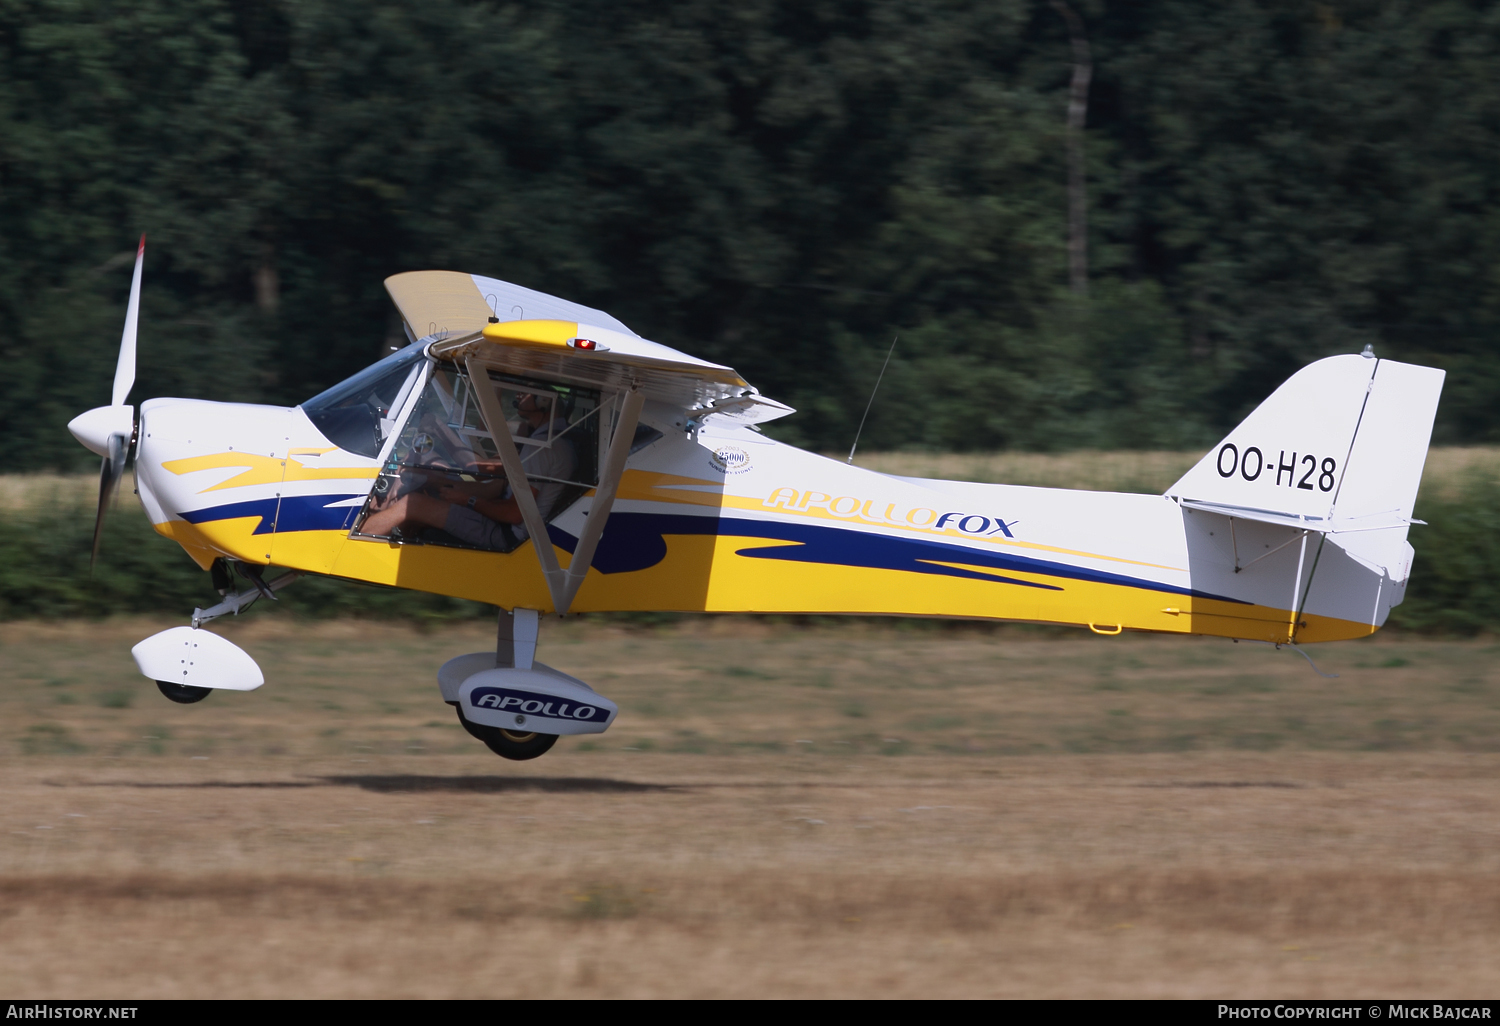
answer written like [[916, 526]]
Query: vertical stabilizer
[[1329, 464], [1289, 455]]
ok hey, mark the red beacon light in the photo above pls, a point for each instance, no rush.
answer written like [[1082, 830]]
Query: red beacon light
[[587, 345]]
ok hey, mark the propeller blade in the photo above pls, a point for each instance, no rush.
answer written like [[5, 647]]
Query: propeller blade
[[111, 468], [125, 368]]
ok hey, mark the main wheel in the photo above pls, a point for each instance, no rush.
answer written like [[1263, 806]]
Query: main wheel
[[183, 694], [509, 744]]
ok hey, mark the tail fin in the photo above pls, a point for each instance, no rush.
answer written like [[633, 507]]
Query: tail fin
[[1338, 449], [1344, 439]]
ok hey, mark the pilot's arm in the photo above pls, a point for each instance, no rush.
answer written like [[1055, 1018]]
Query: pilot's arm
[[505, 511]]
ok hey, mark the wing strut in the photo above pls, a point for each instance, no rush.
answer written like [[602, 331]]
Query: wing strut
[[604, 496], [562, 584], [536, 527]]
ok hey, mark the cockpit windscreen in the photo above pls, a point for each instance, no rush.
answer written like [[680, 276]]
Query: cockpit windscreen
[[356, 413]]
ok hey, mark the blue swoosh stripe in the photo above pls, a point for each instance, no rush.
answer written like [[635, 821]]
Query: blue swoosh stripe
[[297, 513], [636, 541]]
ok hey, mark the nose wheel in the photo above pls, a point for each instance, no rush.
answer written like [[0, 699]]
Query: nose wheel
[[182, 694], [508, 744]]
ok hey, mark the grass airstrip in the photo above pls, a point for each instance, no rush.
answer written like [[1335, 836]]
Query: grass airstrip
[[781, 810], [784, 808]]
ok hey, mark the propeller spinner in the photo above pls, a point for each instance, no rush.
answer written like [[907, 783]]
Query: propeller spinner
[[109, 430]]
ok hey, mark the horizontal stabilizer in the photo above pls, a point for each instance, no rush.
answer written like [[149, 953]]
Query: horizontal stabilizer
[[1322, 525]]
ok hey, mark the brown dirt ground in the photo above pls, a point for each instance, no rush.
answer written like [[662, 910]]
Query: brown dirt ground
[[831, 810]]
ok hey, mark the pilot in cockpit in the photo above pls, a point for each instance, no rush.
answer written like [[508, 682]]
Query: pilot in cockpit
[[483, 513]]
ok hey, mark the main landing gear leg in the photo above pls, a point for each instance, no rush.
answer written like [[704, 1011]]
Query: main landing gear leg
[[515, 646]]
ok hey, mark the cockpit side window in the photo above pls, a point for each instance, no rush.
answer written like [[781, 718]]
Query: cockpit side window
[[356, 413], [443, 482]]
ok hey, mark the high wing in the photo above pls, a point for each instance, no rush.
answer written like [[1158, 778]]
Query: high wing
[[598, 357], [545, 343], [453, 303]]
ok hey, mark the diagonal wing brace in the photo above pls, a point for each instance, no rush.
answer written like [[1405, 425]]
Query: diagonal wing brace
[[520, 486], [604, 496], [562, 584]]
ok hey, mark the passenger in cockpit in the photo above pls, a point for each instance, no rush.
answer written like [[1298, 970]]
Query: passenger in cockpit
[[485, 513]]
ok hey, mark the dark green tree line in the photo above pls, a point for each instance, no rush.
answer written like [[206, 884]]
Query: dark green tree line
[[781, 186]]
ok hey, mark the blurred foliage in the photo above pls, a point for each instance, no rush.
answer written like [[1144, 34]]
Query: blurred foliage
[[1455, 579], [44, 572], [782, 186]]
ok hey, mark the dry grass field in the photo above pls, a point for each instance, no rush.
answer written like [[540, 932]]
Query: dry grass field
[[849, 809]]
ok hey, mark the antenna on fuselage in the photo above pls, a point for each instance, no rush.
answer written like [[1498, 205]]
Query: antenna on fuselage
[[860, 430]]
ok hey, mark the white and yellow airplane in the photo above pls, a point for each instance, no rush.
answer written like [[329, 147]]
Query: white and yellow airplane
[[514, 416]]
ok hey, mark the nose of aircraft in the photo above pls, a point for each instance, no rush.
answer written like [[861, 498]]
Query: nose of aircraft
[[187, 449], [95, 427]]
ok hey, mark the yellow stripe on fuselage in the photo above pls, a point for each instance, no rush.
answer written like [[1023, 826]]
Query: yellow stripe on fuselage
[[705, 573], [265, 470], [234, 538]]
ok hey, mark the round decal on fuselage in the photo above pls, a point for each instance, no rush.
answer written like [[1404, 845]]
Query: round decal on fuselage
[[730, 459]]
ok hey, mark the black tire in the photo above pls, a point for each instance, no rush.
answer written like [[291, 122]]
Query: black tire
[[509, 744], [183, 694]]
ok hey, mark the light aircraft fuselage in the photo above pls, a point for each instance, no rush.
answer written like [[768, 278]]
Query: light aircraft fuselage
[[555, 462]]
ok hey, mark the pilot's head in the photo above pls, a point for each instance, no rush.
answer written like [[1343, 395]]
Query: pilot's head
[[533, 408]]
